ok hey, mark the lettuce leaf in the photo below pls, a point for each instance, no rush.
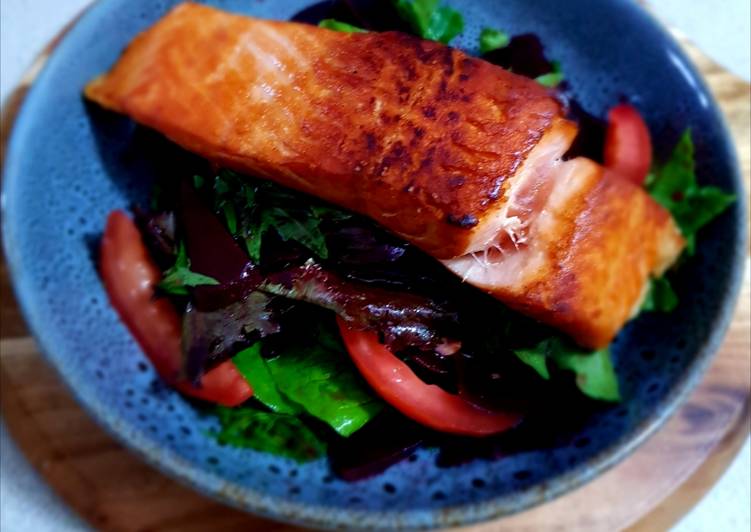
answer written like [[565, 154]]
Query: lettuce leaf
[[430, 21], [595, 375], [674, 186]]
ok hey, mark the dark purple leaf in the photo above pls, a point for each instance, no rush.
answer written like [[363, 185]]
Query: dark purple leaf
[[159, 235], [376, 15], [433, 368], [386, 440], [364, 252], [211, 249], [361, 245], [210, 337], [214, 297], [590, 141], [279, 254], [556, 414], [524, 55], [403, 319]]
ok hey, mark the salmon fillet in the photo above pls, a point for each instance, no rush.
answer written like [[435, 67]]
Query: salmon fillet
[[453, 154], [413, 133]]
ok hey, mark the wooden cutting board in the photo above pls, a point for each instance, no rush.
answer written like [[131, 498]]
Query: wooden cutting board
[[113, 490]]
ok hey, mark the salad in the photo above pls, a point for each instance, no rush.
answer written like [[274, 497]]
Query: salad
[[307, 328]]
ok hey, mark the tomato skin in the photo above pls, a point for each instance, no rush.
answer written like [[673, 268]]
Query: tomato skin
[[427, 404], [222, 384], [129, 277], [628, 147]]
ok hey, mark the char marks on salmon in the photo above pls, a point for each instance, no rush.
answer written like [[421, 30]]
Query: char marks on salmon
[[453, 154]]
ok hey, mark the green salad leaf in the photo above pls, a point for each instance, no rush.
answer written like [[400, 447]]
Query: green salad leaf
[[674, 186], [429, 20], [312, 375], [491, 39], [179, 277], [660, 296], [535, 358], [321, 379], [552, 78], [251, 208], [280, 434], [253, 367], [595, 375], [337, 25], [198, 181], [234, 199], [289, 225]]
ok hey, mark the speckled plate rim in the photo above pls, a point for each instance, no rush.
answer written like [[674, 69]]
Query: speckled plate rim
[[319, 516]]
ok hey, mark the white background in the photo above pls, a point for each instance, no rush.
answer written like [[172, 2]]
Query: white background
[[721, 29]]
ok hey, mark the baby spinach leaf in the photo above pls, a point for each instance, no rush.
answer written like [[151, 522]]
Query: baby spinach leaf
[[429, 20]]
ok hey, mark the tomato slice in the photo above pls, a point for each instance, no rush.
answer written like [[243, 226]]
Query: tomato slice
[[129, 277], [222, 384], [628, 148], [427, 404]]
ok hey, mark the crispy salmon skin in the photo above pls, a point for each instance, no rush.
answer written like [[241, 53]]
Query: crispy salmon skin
[[455, 155], [415, 134]]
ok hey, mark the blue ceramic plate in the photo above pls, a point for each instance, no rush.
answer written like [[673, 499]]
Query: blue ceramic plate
[[66, 168]]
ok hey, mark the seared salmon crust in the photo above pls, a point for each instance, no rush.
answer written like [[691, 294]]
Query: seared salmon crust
[[455, 155]]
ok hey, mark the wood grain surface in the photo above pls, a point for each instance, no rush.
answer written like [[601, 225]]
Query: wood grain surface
[[651, 490]]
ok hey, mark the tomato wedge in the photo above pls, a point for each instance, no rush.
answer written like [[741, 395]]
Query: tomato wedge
[[628, 148], [129, 277], [427, 404]]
